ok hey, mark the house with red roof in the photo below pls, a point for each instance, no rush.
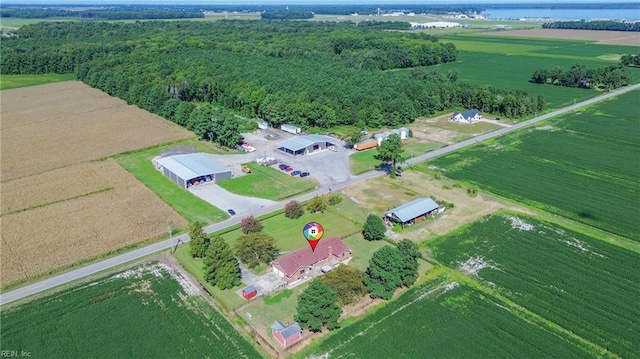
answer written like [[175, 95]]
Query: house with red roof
[[303, 262]]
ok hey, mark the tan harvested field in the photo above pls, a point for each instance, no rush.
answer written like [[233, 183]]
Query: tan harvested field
[[601, 37], [38, 240], [59, 124], [59, 205]]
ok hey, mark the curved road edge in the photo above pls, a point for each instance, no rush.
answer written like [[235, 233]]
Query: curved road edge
[[67, 277]]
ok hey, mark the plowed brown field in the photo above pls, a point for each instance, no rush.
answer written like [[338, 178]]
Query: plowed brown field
[[602, 37], [57, 206]]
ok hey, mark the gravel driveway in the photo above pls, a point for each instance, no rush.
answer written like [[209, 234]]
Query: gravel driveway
[[225, 200]]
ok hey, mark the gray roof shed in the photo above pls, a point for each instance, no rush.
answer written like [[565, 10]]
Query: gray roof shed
[[286, 331], [192, 165], [413, 209], [299, 142]]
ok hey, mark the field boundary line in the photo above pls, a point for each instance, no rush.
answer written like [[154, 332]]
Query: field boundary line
[[41, 205]]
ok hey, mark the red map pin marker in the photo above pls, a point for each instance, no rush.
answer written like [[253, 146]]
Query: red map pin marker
[[313, 232]]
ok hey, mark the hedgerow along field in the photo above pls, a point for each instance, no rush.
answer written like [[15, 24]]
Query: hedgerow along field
[[446, 319], [582, 166], [149, 311], [510, 62], [581, 284]]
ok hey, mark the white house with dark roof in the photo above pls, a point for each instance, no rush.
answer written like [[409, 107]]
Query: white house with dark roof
[[469, 116], [414, 211]]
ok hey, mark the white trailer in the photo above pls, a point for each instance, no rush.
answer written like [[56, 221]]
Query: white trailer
[[291, 129]]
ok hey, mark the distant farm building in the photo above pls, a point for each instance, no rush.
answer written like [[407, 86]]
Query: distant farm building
[[305, 262], [469, 116], [249, 292], [286, 334], [433, 25], [403, 132], [193, 168], [301, 145], [414, 211], [291, 129], [364, 145]]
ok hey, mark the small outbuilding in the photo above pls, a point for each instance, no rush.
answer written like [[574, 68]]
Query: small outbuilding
[[249, 292], [286, 334], [291, 129], [403, 132], [469, 116], [413, 212], [366, 144], [192, 168], [263, 125], [302, 145]]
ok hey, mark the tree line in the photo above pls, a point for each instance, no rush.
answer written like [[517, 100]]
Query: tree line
[[120, 13], [608, 78], [630, 60], [593, 25], [314, 75], [286, 15]]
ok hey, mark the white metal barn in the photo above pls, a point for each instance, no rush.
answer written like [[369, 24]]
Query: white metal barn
[[302, 145], [192, 168]]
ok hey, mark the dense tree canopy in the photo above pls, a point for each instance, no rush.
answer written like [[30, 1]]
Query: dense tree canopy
[[578, 75], [593, 25], [312, 74], [390, 150], [390, 268], [374, 228], [347, 282], [317, 307], [199, 240], [256, 248], [220, 265]]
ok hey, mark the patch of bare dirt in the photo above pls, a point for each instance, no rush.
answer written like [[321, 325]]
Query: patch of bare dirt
[[602, 37]]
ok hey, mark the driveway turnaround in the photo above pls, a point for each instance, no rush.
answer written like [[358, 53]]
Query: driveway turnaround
[[225, 200], [82, 272]]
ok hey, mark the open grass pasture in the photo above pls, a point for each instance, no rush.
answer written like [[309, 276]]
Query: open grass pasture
[[59, 205], [65, 123], [15, 81], [509, 62], [78, 213], [583, 166], [182, 201], [145, 312], [445, 319], [583, 285], [267, 182]]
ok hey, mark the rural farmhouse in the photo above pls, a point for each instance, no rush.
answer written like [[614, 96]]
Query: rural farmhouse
[[192, 168], [469, 116], [305, 262], [286, 335], [301, 145], [414, 211]]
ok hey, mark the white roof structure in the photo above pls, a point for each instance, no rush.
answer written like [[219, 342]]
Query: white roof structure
[[413, 209], [191, 165], [300, 142]]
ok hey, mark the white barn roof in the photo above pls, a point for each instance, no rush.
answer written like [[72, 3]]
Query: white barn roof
[[191, 165], [413, 209], [300, 142]]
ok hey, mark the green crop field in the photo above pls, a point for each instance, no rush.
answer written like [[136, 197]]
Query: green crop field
[[182, 201], [444, 319], [510, 62], [269, 183], [584, 285], [15, 81], [145, 312], [583, 166]]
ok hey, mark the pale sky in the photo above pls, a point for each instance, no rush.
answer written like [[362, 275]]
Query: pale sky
[[302, 2]]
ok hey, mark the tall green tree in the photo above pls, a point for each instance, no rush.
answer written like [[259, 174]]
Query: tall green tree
[[318, 307], [410, 253], [374, 228], [347, 282], [256, 248], [198, 243], [391, 151], [354, 137], [385, 271], [220, 265]]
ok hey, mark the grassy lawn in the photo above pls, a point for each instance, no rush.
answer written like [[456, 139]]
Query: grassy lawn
[[182, 201], [268, 182], [265, 314], [227, 299], [362, 250], [15, 81], [361, 162]]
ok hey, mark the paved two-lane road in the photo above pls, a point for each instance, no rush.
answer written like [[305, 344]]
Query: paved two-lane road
[[82, 272]]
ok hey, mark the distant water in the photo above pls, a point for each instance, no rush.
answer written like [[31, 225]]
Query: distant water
[[564, 14]]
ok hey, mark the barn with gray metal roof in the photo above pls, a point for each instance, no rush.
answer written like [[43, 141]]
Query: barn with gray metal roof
[[192, 168], [414, 211]]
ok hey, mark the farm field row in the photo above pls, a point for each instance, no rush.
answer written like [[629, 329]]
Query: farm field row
[[444, 319], [149, 311], [583, 285], [16, 81], [582, 166]]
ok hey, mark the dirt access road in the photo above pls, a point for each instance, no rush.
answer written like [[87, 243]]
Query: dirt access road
[[82, 272]]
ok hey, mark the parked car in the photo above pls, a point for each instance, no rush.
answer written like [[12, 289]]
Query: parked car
[[289, 169], [283, 166], [305, 174], [296, 173], [231, 212], [333, 148]]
